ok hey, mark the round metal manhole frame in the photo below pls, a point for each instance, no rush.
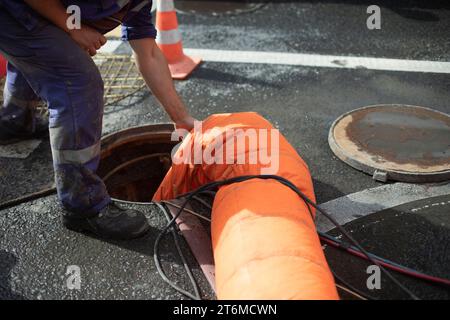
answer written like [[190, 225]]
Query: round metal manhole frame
[[378, 172], [253, 6], [159, 133]]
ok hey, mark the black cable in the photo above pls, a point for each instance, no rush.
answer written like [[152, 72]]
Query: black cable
[[196, 295], [351, 250], [334, 242], [26, 198], [207, 188], [348, 285], [203, 202], [309, 203], [161, 235]]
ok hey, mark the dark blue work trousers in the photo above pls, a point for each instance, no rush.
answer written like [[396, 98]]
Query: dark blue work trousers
[[46, 63]]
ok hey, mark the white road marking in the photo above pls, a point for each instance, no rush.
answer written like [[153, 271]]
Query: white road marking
[[20, 150], [322, 61], [363, 203]]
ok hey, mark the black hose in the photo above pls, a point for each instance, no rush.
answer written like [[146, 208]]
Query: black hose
[[196, 295]]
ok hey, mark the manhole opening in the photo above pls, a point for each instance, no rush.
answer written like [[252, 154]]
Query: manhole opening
[[217, 8], [135, 161]]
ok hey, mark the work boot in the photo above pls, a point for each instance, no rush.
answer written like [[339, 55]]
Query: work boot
[[9, 134], [113, 222]]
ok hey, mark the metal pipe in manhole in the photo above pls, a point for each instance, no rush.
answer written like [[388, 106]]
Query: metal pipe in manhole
[[134, 161]]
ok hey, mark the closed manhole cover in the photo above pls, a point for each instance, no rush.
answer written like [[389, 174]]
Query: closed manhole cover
[[394, 142], [216, 8]]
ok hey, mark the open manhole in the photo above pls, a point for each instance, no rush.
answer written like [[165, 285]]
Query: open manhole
[[217, 8], [134, 161], [394, 142]]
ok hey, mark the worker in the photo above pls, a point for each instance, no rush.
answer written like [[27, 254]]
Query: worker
[[49, 59]]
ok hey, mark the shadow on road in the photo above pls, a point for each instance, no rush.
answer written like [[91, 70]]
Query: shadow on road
[[325, 192], [410, 9], [7, 263], [436, 4]]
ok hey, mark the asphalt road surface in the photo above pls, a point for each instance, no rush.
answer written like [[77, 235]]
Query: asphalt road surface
[[302, 101]]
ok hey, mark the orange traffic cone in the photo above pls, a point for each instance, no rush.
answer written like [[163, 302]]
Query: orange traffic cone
[[169, 41], [2, 67]]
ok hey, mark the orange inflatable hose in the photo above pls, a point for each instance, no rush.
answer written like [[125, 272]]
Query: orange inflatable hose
[[264, 239]]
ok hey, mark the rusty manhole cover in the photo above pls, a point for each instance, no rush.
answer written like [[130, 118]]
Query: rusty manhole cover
[[394, 142], [216, 8]]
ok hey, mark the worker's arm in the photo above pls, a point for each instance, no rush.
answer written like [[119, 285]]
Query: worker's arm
[[87, 38], [153, 66]]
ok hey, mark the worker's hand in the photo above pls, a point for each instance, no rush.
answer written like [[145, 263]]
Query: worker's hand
[[187, 123], [88, 39]]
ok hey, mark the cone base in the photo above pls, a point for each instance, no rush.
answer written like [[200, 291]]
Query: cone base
[[180, 70]]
